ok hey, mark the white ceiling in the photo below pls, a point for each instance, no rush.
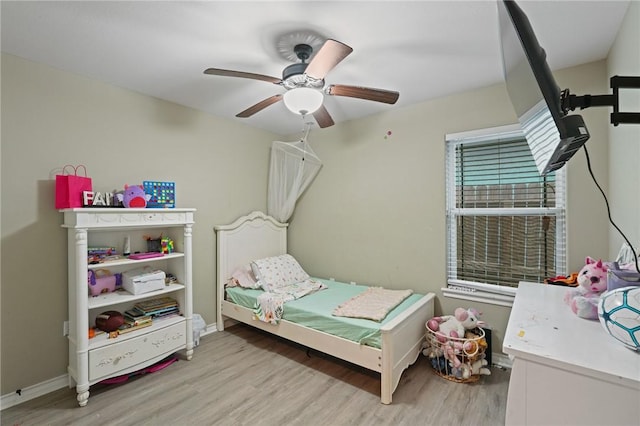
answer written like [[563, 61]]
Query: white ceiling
[[422, 49]]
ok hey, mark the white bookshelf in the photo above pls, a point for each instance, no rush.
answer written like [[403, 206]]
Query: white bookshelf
[[104, 356]]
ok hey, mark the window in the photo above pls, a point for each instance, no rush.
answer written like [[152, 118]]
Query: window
[[505, 222]]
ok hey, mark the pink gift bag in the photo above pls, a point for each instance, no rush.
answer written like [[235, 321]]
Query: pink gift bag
[[70, 186]]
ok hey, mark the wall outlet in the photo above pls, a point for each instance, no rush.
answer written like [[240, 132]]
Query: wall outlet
[[65, 328]]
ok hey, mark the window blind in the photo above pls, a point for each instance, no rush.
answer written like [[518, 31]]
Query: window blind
[[505, 222]]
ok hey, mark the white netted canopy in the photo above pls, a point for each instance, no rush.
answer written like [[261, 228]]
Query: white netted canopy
[[293, 167]]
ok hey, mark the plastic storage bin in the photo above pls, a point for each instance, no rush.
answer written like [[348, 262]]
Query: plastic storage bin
[[199, 326]]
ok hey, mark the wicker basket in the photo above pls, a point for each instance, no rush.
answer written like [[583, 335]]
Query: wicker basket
[[456, 359]]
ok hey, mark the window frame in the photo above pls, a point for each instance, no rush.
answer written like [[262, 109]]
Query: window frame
[[494, 294]]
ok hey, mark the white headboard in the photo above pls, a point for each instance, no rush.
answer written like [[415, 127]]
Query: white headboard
[[250, 237]]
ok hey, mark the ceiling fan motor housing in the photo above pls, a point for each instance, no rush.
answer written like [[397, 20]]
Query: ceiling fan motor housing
[[293, 70], [293, 76]]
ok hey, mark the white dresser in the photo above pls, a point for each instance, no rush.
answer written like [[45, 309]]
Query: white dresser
[[566, 370]]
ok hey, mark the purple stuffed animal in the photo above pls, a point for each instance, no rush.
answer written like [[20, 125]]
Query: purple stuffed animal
[[134, 196]]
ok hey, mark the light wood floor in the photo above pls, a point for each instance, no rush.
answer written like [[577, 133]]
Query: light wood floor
[[243, 376]]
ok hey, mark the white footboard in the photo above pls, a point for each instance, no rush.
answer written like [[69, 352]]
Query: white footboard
[[402, 341]]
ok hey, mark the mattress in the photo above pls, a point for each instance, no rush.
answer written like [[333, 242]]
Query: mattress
[[314, 311]]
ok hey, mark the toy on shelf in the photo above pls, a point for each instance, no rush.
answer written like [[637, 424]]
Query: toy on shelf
[[592, 282], [167, 245], [162, 194], [455, 345], [109, 321], [154, 244], [133, 197], [103, 281]]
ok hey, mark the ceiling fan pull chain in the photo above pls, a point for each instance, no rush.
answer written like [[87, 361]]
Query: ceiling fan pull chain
[[306, 130]]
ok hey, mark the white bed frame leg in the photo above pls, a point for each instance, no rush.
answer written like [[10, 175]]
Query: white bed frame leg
[[386, 390]]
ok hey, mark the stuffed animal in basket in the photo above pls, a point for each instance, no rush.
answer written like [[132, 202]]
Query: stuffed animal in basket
[[454, 325], [451, 350], [592, 282], [475, 368]]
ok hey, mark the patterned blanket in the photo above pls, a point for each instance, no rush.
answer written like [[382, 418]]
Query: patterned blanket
[[269, 306], [374, 303]]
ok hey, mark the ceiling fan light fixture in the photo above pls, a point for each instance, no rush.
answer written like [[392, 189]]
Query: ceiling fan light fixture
[[303, 100]]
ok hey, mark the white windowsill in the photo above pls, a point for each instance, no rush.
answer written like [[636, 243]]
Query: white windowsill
[[493, 295]]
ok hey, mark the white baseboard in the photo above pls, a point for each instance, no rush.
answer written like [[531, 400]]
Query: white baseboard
[[51, 385], [501, 360], [210, 329], [32, 392]]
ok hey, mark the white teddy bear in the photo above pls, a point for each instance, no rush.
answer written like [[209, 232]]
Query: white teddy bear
[[476, 368]]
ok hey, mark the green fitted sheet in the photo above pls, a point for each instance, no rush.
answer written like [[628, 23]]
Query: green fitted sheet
[[314, 311]]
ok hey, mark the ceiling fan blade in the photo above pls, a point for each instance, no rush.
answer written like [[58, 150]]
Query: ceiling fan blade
[[378, 95], [230, 73], [329, 55], [259, 106], [323, 118]]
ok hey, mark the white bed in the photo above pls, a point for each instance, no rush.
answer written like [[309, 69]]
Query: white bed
[[257, 236]]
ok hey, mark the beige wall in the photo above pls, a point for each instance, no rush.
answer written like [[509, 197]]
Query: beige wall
[[376, 212], [624, 147], [52, 118]]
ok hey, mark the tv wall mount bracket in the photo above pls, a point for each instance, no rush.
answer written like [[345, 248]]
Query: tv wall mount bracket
[[570, 102]]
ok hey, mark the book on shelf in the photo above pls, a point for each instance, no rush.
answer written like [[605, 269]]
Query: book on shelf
[[158, 301], [135, 314], [161, 310], [155, 304], [100, 254], [127, 328], [101, 250], [137, 321], [168, 313]]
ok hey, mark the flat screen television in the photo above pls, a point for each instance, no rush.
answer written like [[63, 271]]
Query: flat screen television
[[553, 136]]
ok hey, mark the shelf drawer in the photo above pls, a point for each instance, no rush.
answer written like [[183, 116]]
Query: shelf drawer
[[108, 360]]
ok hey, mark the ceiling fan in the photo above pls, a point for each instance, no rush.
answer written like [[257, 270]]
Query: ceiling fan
[[305, 83]]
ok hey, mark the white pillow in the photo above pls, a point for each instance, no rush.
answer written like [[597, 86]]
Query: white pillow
[[243, 277], [278, 271]]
